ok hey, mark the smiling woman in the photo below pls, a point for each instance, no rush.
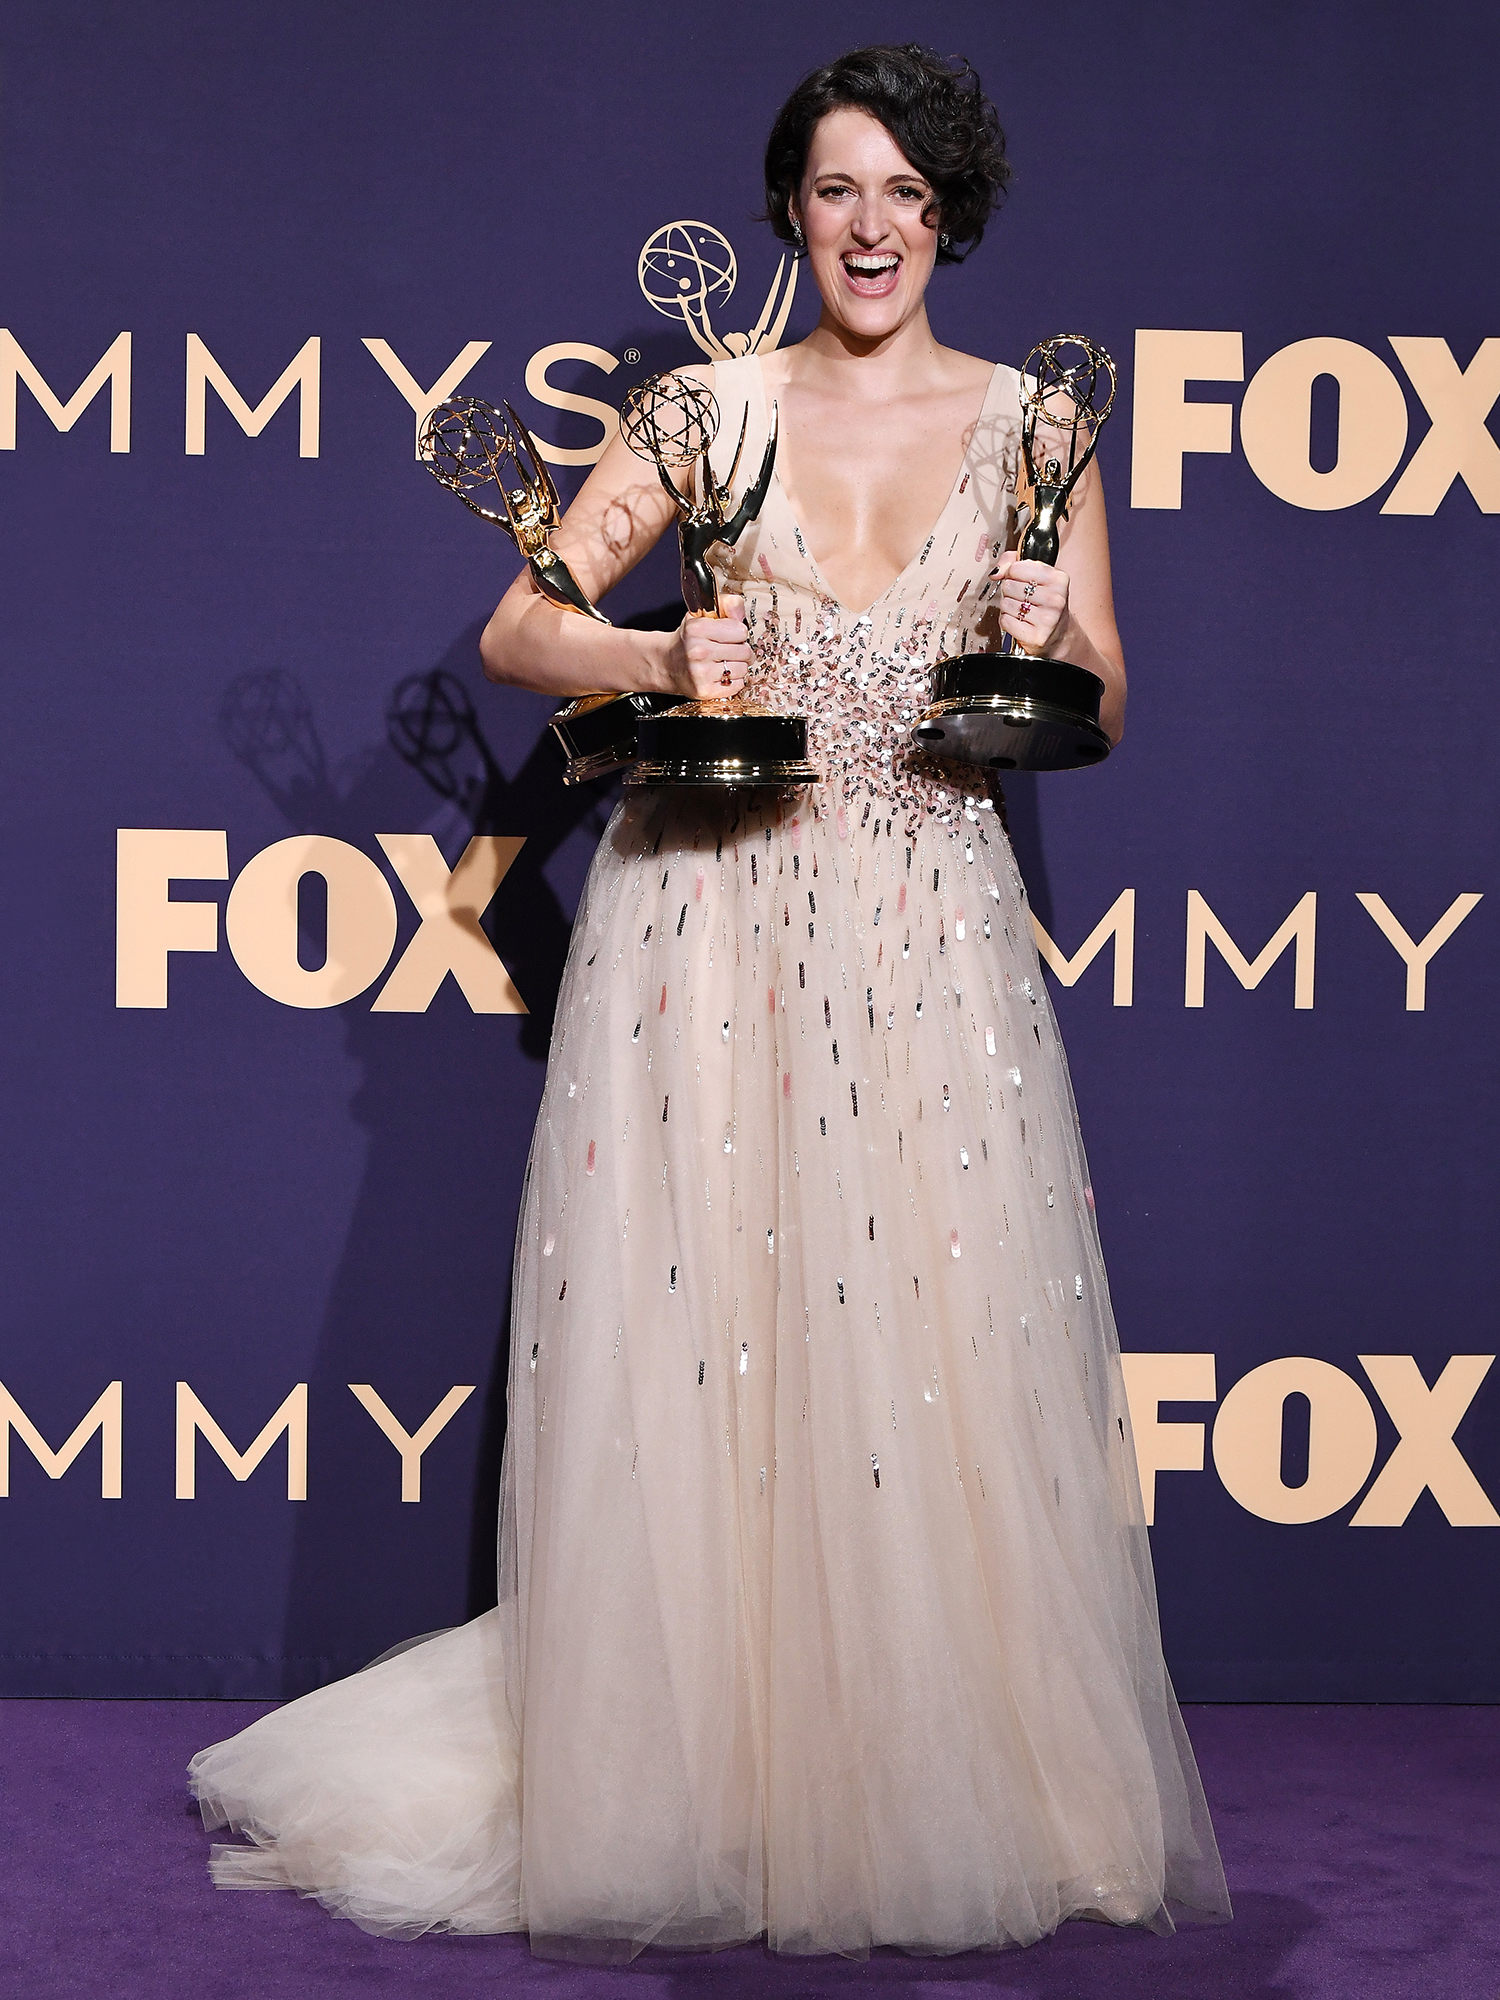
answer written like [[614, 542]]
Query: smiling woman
[[943, 124], [826, 1607]]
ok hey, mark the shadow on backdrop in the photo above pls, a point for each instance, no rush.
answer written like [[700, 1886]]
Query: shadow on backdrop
[[415, 1260], [420, 1257]]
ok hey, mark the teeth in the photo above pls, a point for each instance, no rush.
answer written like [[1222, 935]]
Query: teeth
[[870, 267]]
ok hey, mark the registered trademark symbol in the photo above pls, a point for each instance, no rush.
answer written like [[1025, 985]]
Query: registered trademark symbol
[[632, 354]]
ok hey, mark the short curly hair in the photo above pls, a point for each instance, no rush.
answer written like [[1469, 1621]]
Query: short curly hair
[[935, 111]]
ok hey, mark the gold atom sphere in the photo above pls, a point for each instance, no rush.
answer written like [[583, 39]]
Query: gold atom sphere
[[670, 419], [1065, 378], [465, 443]]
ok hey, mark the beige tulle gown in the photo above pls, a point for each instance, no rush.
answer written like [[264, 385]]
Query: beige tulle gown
[[826, 1605]]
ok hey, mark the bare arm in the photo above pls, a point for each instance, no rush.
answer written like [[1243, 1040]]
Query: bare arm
[[619, 516], [1071, 613]]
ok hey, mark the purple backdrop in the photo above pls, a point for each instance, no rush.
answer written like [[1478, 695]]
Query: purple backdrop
[[245, 1195]]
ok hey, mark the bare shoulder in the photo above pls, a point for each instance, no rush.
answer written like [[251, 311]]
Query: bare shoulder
[[775, 366], [966, 371]]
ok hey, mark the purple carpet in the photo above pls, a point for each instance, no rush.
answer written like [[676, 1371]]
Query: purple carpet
[[1362, 1847]]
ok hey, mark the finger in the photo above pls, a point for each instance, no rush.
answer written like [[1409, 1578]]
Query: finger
[[1035, 630], [719, 645], [1013, 570], [1032, 590]]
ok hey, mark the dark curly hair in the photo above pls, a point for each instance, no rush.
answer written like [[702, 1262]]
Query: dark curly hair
[[936, 113]]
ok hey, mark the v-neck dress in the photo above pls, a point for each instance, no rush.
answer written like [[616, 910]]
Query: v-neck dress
[[862, 677], [826, 1605]]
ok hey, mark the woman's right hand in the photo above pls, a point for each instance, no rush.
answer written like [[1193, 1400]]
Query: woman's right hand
[[709, 658]]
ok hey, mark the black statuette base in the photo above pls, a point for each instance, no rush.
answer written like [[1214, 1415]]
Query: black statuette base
[[722, 748], [1013, 712], [597, 732]]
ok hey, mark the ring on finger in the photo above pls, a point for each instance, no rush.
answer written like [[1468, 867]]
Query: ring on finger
[[1023, 610], [1029, 589], [726, 679]]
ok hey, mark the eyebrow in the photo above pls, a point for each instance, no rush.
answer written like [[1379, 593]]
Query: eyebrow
[[891, 180]]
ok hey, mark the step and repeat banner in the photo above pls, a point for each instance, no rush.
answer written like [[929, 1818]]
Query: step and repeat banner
[[287, 887]]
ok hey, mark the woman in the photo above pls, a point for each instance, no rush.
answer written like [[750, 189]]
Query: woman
[[826, 1602]]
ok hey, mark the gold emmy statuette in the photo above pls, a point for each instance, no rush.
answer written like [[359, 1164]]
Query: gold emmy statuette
[[469, 446], [1013, 710], [673, 421]]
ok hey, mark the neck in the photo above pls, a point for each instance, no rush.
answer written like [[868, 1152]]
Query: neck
[[861, 365]]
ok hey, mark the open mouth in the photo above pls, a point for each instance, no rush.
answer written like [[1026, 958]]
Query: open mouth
[[871, 274]]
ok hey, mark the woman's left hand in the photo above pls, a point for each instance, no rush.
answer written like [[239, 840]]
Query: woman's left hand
[[1033, 603]]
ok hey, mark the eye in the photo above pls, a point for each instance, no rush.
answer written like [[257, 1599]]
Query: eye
[[912, 193], [832, 193]]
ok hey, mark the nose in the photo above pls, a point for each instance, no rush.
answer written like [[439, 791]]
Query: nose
[[868, 225]]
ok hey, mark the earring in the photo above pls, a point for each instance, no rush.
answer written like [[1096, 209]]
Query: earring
[[945, 239], [797, 231]]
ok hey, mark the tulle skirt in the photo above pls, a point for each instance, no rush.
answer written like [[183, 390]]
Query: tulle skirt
[[826, 1607]]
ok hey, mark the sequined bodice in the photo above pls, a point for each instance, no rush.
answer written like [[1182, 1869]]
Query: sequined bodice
[[862, 678]]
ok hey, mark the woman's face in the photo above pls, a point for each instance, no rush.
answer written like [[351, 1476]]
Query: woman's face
[[860, 206]]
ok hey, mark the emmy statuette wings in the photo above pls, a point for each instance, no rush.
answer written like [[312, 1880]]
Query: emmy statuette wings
[[672, 421], [469, 446], [1013, 710]]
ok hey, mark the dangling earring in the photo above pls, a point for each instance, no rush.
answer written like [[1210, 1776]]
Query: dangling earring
[[797, 231], [944, 240]]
